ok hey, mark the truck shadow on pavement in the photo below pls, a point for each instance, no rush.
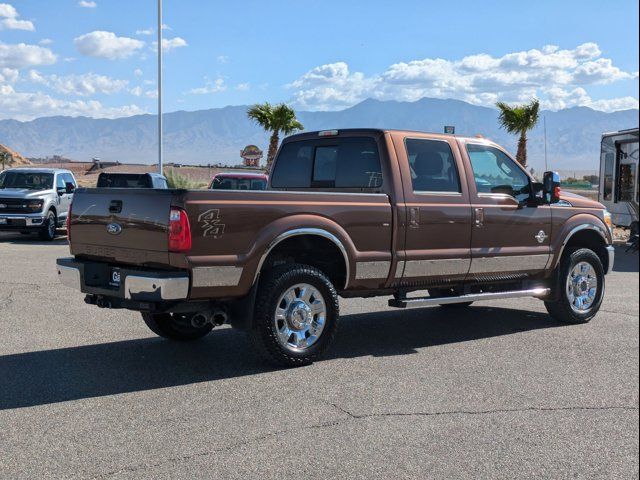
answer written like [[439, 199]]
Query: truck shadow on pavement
[[625, 261], [51, 376], [32, 239]]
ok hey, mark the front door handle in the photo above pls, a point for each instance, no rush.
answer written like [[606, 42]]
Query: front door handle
[[478, 216]]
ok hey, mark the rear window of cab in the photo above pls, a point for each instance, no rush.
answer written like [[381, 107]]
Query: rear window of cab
[[348, 163]]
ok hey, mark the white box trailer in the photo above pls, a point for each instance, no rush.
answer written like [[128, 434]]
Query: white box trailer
[[619, 177]]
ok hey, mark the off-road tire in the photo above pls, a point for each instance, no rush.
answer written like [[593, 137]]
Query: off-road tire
[[447, 292], [46, 232], [174, 326], [263, 334], [559, 306]]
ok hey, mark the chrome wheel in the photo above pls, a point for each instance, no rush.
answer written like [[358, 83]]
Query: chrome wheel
[[582, 287], [300, 317]]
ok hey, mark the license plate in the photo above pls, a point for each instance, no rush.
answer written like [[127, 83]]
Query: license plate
[[114, 277], [3, 221]]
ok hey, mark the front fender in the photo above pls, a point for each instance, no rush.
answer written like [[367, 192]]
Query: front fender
[[573, 225]]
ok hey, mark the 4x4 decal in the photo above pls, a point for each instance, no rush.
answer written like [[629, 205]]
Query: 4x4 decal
[[211, 223]]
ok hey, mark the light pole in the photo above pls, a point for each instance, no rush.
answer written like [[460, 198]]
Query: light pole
[[546, 164], [160, 87]]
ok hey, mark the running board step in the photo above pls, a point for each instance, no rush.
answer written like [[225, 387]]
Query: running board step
[[472, 297]]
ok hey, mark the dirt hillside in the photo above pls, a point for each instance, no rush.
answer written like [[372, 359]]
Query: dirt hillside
[[14, 160]]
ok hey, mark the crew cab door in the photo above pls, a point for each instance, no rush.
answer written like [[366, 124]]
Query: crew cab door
[[510, 235], [438, 212]]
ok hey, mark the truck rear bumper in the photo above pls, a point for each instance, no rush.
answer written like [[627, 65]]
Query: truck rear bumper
[[133, 284]]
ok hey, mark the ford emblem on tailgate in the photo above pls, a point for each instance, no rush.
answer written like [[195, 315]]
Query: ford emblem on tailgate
[[114, 228]]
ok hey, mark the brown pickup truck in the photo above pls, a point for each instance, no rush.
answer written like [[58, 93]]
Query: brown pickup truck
[[351, 213]]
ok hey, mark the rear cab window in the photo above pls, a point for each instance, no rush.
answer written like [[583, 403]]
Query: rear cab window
[[432, 166], [349, 163]]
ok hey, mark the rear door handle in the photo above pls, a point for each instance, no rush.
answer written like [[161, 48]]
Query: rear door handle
[[414, 217], [115, 206], [478, 216]]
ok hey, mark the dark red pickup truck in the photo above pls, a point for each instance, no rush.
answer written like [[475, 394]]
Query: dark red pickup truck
[[346, 213]]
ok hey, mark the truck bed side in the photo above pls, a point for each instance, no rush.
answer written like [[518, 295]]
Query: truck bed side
[[233, 231]]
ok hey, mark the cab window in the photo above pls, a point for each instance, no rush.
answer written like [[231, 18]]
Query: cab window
[[432, 166], [68, 178], [349, 163], [60, 183], [495, 173]]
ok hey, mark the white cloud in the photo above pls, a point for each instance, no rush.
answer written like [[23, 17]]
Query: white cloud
[[137, 72], [87, 4], [9, 19], [210, 88], [22, 55], [169, 44], [151, 94], [137, 91], [81, 85], [557, 76], [108, 45], [243, 87], [30, 105], [331, 86], [145, 31], [614, 104], [222, 59], [9, 75], [45, 41]]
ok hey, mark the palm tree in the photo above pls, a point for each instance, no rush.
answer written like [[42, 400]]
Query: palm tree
[[275, 119], [519, 119]]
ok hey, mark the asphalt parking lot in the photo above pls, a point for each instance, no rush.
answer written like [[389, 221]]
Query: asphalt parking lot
[[495, 391]]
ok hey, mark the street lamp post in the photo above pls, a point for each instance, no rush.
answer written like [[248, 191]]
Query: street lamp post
[[160, 87]]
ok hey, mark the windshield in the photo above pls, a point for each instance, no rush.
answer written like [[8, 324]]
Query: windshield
[[229, 183], [29, 180]]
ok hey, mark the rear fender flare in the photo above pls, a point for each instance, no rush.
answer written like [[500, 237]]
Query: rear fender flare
[[305, 225]]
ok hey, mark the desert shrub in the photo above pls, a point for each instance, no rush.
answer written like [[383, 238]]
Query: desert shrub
[[175, 180]]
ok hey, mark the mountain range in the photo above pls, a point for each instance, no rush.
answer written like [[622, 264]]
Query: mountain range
[[217, 135]]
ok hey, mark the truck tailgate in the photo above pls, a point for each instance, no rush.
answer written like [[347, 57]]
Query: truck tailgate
[[121, 225]]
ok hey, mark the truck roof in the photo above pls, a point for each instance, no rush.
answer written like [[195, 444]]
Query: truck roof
[[242, 175], [361, 131], [151, 174], [38, 170]]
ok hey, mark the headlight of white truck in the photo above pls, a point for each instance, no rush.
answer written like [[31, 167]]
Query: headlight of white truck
[[34, 206]]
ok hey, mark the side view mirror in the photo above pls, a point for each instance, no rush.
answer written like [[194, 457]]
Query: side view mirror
[[551, 187], [69, 187]]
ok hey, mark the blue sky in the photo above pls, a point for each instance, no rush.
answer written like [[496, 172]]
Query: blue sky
[[96, 57]]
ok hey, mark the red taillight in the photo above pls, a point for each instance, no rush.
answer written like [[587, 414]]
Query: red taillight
[[69, 223], [179, 231]]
